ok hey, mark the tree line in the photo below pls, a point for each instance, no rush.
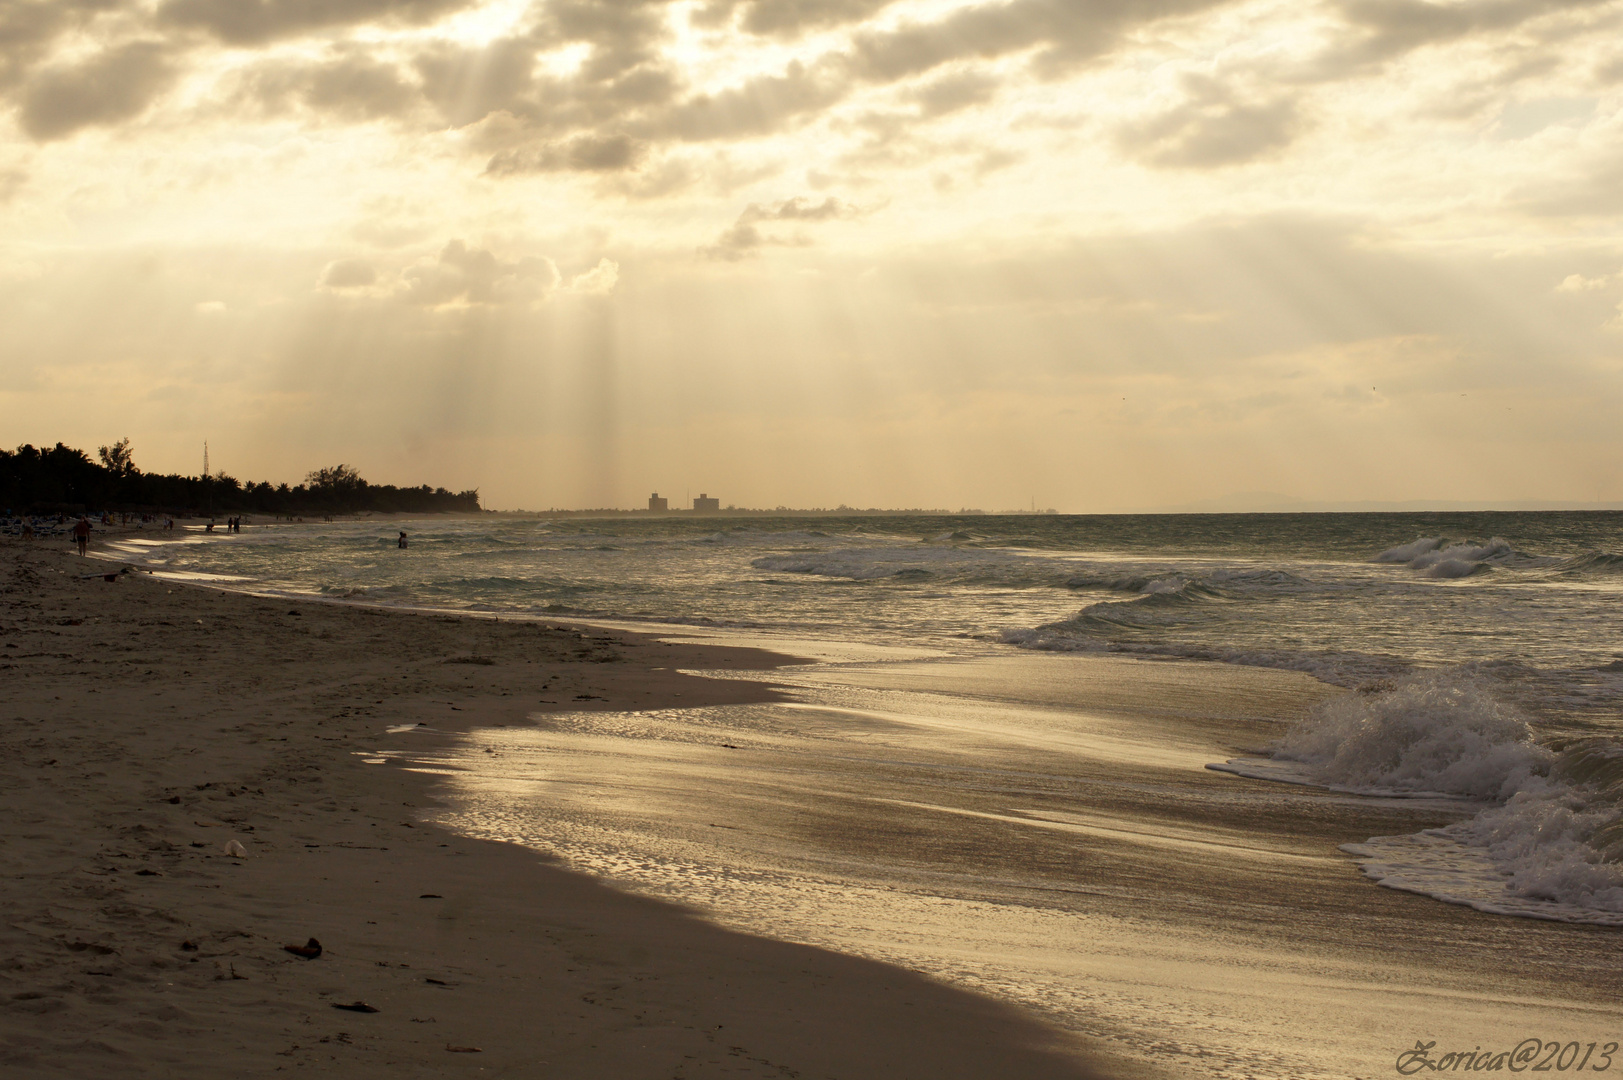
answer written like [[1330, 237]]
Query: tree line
[[65, 480]]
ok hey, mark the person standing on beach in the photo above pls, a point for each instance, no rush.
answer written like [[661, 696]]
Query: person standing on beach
[[81, 533], [402, 541]]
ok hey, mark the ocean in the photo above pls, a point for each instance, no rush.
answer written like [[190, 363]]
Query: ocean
[[1096, 765]]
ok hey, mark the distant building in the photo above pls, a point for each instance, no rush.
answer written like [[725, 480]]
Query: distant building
[[705, 504], [657, 503]]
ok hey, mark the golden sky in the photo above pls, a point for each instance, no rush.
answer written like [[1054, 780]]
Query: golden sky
[[1103, 254]]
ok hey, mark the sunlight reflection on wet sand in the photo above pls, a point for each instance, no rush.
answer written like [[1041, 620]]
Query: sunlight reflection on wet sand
[[1042, 829]]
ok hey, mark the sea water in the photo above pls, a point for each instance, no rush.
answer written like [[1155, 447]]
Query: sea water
[[998, 770], [1482, 649]]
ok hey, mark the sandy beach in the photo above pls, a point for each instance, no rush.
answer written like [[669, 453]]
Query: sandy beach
[[149, 726], [552, 850]]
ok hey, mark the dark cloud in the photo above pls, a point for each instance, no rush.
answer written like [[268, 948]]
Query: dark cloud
[[1065, 34], [744, 236], [1610, 72], [29, 27], [583, 153], [624, 34], [359, 87], [800, 208], [787, 17], [255, 22], [467, 85], [1387, 29], [624, 87], [1213, 127], [460, 274], [114, 85], [761, 106], [955, 91], [351, 86], [735, 242], [627, 99], [26, 30]]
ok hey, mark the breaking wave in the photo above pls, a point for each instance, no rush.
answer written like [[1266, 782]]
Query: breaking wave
[[1435, 558], [1546, 840], [1595, 562]]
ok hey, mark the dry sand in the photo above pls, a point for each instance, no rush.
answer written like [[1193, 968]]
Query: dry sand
[[147, 725]]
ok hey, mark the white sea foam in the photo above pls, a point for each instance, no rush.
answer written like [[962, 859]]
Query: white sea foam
[[1410, 551], [1430, 733], [1548, 840], [1544, 853], [1454, 568], [1463, 553], [1447, 867], [1431, 557]]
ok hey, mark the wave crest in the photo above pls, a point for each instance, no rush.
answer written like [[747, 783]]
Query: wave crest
[[1430, 556], [1549, 847], [1428, 734]]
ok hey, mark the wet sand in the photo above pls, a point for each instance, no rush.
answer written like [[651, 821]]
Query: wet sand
[[1043, 828], [149, 725]]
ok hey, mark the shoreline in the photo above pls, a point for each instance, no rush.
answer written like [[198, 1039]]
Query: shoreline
[[151, 723]]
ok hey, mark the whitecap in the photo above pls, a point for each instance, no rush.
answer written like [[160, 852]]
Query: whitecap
[[1547, 839]]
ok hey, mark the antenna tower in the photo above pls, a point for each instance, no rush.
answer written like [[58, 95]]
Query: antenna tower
[[205, 457]]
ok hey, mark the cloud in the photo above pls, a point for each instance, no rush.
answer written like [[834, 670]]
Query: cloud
[[349, 274], [12, 181], [467, 85], [783, 18], [256, 22], [627, 97], [801, 208], [763, 105], [351, 86], [1063, 33], [598, 281], [623, 33], [1211, 128], [1577, 283], [744, 236], [955, 91], [114, 85], [583, 153], [1592, 189], [670, 175], [26, 31], [460, 275], [1393, 28]]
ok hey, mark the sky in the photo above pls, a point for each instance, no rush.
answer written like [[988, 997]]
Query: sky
[[1093, 255]]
